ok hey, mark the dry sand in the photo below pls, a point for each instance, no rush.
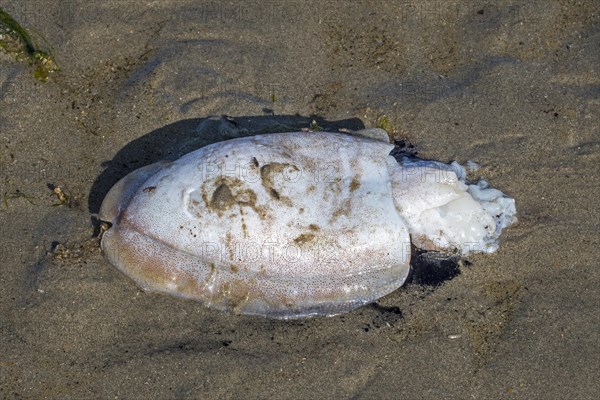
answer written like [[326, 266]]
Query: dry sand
[[511, 85]]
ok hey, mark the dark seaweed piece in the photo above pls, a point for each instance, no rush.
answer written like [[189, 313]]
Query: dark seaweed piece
[[14, 39], [432, 268], [403, 148]]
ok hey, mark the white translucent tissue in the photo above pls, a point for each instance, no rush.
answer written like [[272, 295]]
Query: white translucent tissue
[[445, 212]]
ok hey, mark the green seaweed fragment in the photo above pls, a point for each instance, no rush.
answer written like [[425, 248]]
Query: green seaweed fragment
[[384, 123], [15, 40]]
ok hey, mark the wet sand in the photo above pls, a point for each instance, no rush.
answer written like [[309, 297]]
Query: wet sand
[[513, 86]]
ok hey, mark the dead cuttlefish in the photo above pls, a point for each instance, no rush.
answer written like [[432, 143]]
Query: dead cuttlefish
[[295, 224]]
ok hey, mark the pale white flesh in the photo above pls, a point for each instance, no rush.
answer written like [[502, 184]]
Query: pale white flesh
[[283, 225], [291, 225]]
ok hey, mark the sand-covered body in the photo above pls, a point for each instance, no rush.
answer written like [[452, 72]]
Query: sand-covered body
[[284, 225], [294, 224]]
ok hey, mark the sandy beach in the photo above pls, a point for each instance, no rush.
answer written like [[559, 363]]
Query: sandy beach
[[513, 86]]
